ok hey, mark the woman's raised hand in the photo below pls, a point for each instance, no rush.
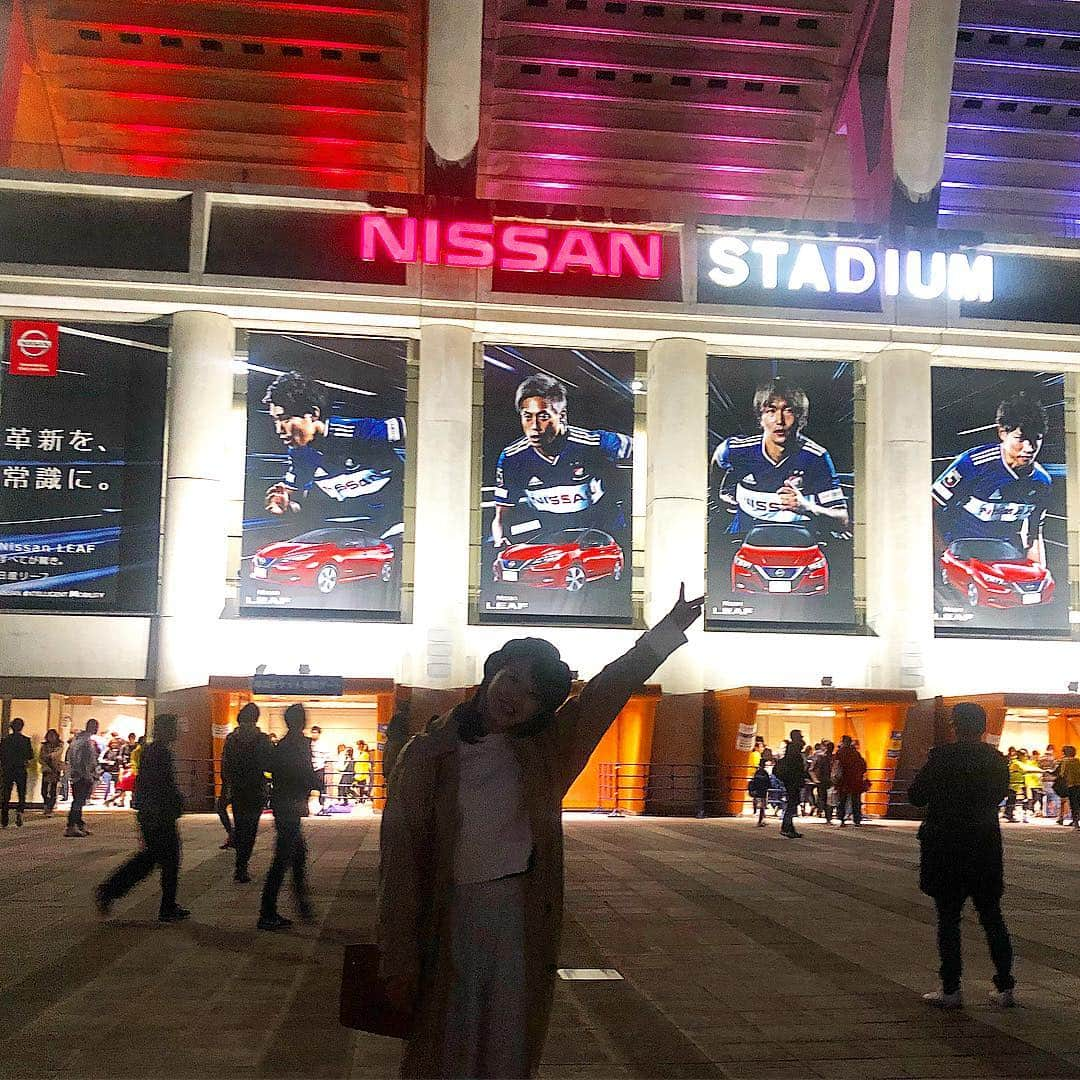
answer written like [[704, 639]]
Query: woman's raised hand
[[685, 612]]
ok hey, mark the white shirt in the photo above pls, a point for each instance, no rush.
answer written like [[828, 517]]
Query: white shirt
[[494, 836]]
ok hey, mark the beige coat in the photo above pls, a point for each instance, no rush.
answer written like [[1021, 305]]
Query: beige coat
[[419, 830]]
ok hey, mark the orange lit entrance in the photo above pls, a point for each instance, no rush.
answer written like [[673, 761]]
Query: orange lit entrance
[[734, 718], [359, 714], [1030, 721]]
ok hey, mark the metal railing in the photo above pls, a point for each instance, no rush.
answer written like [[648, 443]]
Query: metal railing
[[710, 790]]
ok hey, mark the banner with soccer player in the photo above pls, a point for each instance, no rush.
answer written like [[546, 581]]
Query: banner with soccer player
[[81, 433], [325, 477], [557, 485], [781, 486], [1001, 557]]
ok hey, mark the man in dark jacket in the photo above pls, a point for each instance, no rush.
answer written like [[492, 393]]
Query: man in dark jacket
[[159, 803], [791, 771], [15, 753], [245, 760], [961, 785], [293, 781]]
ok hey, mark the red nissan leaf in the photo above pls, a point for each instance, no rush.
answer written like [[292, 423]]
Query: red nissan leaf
[[994, 573], [780, 560], [563, 560], [323, 559]]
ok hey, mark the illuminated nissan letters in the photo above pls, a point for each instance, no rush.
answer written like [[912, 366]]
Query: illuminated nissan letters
[[791, 266]]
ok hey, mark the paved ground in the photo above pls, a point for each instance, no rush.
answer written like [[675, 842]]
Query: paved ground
[[744, 955]]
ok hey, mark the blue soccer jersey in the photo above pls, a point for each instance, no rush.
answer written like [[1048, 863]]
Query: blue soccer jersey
[[570, 482], [750, 482], [357, 465], [979, 496]]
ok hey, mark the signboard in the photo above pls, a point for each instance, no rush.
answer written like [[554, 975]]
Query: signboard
[[80, 466], [781, 490], [841, 275], [34, 348], [1001, 558], [325, 474], [557, 494], [298, 685]]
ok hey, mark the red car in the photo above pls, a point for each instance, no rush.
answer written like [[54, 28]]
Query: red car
[[780, 559], [323, 559], [563, 560], [995, 573]]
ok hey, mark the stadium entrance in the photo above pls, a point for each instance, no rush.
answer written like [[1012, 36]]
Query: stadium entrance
[[735, 718], [1030, 721]]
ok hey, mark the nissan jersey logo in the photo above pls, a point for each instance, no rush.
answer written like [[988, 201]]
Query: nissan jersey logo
[[33, 344]]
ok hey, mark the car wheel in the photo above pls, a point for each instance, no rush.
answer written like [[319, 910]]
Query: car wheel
[[616, 574], [387, 571], [575, 579], [326, 579], [972, 595]]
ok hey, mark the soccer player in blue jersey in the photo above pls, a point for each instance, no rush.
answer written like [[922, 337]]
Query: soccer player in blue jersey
[[348, 460], [556, 470], [779, 477], [998, 490]]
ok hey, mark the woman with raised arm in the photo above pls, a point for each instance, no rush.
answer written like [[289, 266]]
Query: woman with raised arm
[[471, 861]]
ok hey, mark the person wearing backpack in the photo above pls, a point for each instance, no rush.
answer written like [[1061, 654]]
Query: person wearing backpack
[[758, 788], [244, 763]]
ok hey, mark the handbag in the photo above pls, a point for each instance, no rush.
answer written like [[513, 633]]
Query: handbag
[[1059, 787], [364, 1004]]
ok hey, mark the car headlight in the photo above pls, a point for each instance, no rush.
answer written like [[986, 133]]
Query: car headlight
[[296, 557], [545, 562], [993, 579], [818, 564], [746, 564]]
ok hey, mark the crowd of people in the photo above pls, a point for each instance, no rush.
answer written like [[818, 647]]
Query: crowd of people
[[824, 781], [1043, 785]]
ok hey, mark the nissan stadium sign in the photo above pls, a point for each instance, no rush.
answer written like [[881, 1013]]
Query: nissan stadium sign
[[841, 275]]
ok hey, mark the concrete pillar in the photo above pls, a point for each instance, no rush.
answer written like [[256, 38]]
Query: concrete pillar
[[920, 80], [195, 536], [676, 491], [452, 100], [899, 525], [443, 501]]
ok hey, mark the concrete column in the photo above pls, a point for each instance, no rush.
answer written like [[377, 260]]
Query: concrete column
[[899, 525], [920, 80], [194, 545], [676, 491], [452, 101], [443, 501]]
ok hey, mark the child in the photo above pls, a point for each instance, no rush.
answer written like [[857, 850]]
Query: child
[[758, 787]]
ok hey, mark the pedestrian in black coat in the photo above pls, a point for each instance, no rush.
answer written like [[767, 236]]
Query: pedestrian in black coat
[[245, 761], [961, 785], [159, 804], [16, 753], [294, 779], [791, 771]]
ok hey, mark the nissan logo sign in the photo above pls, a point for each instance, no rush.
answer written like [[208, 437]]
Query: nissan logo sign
[[34, 344]]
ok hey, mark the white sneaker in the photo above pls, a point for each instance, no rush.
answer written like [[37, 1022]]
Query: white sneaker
[[940, 1000], [1003, 999]]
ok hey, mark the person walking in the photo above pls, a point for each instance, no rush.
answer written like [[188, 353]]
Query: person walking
[[83, 768], [823, 778], [471, 853], [293, 780], [758, 788], [245, 759], [159, 804], [961, 785], [16, 753], [791, 771], [51, 760], [1069, 774], [852, 784]]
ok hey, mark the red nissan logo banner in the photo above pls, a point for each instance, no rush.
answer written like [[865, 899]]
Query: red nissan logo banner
[[34, 348]]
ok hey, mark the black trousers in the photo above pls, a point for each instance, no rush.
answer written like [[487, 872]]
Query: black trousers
[[855, 802], [221, 805], [245, 830], [290, 852], [1074, 803], [791, 806], [950, 908], [80, 792], [18, 780], [823, 800], [161, 848], [48, 791]]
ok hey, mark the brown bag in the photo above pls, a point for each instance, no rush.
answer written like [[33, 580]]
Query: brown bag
[[364, 1004]]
